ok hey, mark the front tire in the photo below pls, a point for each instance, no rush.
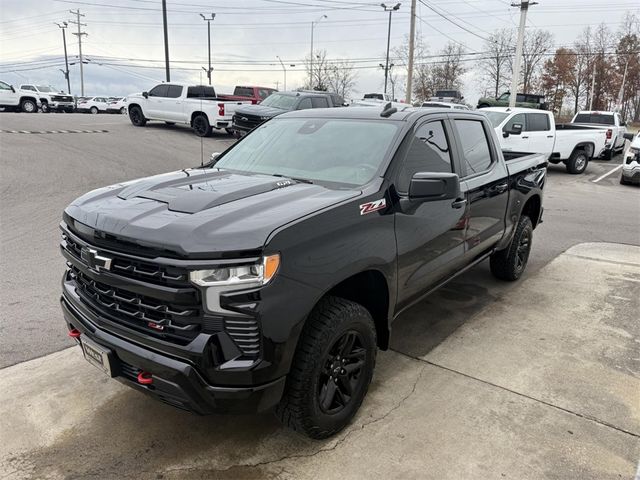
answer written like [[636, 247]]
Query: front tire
[[578, 162], [45, 107], [332, 369], [201, 126], [137, 117], [624, 181], [509, 264], [93, 110], [28, 106]]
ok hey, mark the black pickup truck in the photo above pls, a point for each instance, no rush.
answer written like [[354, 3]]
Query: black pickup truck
[[270, 276]]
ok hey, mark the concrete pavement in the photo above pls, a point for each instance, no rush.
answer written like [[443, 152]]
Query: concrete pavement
[[542, 383]]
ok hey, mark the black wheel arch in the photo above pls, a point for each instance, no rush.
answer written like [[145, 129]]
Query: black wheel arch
[[587, 147], [196, 114]]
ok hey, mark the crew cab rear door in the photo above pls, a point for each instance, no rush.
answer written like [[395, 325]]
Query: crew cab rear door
[[429, 236], [485, 182], [538, 129]]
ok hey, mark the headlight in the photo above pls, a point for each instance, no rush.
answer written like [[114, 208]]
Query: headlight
[[222, 279]]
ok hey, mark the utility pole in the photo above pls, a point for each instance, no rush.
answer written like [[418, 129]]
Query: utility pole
[[209, 20], [524, 7], [63, 27], [166, 40], [412, 35], [79, 35], [386, 67], [593, 85], [311, 57], [621, 94], [284, 70]]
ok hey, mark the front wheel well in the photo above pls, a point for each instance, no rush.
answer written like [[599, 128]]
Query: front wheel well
[[532, 208], [369, 289]]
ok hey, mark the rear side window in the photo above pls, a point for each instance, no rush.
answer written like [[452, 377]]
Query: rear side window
[[200, 91], [319, 102], [174, 91], [304, 104], [476, 153], [159, 91], [429, 152], [537, 122]]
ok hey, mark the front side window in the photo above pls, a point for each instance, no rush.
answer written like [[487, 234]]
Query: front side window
[[537, 122], [476, 153], [337, 151], [174, 91], [264, 93], [429, 152], [29, 87], [319, 102], [504, 97], [159, 91], [517, 119], [5, 86], [304, 104]]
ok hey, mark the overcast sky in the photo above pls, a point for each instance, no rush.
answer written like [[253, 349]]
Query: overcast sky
[[125, 42]]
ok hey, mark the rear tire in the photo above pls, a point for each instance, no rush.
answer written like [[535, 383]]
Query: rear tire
[[123, 110], [332, 369], [201, 126], [608, 154], [28, 106], [578, 162], [93, 110], [509, 264], [137, 117]]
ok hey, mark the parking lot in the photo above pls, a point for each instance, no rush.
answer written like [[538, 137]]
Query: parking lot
[[540, 378]]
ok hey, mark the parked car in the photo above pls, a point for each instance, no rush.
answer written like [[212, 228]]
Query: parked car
[[454, 96], [117, 105], [253, 94], [524, 100], [612, 121], [12, 99], [194, 105], [631, 163], [455, 106], [271, 276], [249, 117], [92, 104], [51, 99], [527, 130]]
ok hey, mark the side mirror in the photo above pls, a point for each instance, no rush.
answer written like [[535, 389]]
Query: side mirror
[[214, 156], [516, 129], [628, 136], [429, 187], [145, 94]]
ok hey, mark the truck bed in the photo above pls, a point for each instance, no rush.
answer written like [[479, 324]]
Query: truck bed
[[520, 161]]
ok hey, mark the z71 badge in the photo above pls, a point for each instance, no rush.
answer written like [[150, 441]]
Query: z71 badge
[[372, 206]]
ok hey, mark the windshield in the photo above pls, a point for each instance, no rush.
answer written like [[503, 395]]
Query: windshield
[[496, 118], [597, 118], [342, 151], [45, 88], [284, 102]]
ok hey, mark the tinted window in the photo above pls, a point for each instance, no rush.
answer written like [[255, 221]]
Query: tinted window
[[243, 91], [519, 119], [597, 118], [304, 104], [429, 152], [319, 102], [475, 146], [174, 91], [537, 122], [28, 87], [201, 91], [376, 96], [159, 91], [520, 97]]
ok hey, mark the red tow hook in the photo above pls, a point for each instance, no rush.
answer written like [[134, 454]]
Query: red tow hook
[[74, 333], [145, 378]]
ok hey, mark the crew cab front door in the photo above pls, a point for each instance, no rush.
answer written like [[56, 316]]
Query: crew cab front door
[[157, 101], [429, 236], [7, 95]]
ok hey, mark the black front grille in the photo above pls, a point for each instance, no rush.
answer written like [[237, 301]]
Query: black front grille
[[176, 323], [246, 121], [58, 98], [245, 332]]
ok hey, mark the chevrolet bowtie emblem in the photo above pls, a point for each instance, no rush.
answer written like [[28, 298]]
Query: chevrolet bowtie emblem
[[94, 260]]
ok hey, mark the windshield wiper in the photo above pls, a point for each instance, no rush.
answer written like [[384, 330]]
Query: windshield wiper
[[301, 180]]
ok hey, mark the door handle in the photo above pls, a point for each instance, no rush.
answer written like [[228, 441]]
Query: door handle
[[500, 188], [549, 136], [459, 203], [524, 137]]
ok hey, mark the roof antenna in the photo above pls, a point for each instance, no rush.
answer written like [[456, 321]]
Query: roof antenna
[[388, 110]]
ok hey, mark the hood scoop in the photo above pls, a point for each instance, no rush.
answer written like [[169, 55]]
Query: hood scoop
[[193, 191]]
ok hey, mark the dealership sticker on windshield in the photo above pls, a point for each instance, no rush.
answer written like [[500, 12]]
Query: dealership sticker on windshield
[[372, 206]]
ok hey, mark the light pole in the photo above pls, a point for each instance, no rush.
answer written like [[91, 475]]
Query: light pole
[[386, 67], [311, 56], [63, 27], [208, 20], [515, 79], [284, 69]]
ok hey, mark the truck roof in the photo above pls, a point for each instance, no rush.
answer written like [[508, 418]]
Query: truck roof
[[371, 113], [514, 110], [596, 112]]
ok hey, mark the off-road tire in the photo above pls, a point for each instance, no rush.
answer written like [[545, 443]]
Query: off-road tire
[[28, 106], [509, 264], [330, 320], [137, 117], [201, 126], [577, 162]]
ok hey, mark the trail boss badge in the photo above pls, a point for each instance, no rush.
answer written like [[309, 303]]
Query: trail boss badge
[[372, 206]]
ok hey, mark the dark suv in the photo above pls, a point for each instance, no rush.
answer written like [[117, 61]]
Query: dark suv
[[249, 117]]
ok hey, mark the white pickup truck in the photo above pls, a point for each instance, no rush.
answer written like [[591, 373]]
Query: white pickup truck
[[50, 98], [12, 99], [612, 122], [194, 105], [535, 131]]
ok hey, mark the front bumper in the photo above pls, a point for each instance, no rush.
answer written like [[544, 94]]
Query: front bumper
[[631, 175], [175, 382], [61, 105]]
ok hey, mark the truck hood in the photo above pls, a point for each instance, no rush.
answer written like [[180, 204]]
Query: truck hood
[[260, 111], [202, 213]]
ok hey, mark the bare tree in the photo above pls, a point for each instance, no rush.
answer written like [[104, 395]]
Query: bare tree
[[422, 83], [341, 77], [448, 72], [319, 71], [628, 60], [400, 58], [494, 66]]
